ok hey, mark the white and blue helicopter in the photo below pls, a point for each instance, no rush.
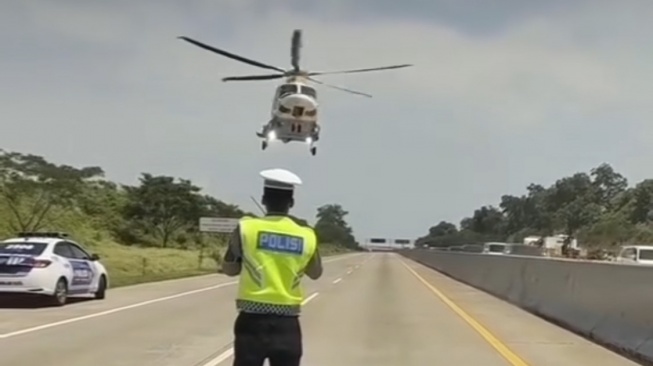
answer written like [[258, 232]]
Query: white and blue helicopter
[[294, 107]]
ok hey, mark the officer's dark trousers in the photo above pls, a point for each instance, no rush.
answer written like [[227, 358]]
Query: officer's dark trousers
[[260, 336]]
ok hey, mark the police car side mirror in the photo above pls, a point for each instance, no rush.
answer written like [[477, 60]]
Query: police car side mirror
[[95, 257]]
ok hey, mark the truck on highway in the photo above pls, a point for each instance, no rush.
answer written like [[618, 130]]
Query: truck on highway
[[550, 242]]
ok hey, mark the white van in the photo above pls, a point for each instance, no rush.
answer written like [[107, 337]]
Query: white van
[[636, 254]]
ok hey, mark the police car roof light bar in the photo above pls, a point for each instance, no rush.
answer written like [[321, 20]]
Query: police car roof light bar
[[42, 234]]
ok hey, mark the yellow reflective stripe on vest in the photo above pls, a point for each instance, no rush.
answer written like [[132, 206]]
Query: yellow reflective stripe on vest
[[275, 253], [253, 272]]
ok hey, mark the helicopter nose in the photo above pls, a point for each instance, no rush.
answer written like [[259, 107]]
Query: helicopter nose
[[299, 100]]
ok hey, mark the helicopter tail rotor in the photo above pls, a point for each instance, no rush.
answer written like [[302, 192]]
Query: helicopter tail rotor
[[295, 47]]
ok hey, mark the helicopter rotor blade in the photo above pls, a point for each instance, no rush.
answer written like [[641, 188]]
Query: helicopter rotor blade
[[295, 47], [360, 70], [231, 55], [339, 88], [254, 77]]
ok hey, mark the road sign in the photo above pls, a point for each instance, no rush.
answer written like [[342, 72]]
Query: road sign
[[218, 224]]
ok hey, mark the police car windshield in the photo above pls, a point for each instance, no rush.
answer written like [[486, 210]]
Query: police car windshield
[[22, 247]]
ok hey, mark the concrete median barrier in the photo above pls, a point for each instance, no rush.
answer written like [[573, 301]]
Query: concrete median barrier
[[609, 303]]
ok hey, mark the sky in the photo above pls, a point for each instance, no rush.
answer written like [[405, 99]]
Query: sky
[[502, 94]]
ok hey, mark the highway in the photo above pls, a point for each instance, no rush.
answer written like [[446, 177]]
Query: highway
[[368, 309]]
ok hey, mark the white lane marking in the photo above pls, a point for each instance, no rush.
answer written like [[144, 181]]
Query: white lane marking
[[308, 299], [221, 358], [228, 353], [139, 304], [337, 280], [115, 310], [340, 257]]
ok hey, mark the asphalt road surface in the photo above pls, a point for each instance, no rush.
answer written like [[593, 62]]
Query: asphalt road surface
[[368, 309]]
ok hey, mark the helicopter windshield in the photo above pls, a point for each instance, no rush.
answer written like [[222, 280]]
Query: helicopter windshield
[[307, 90], [287, 89]]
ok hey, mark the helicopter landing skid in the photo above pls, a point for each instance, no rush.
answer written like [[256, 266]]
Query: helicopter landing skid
[[312, 147]]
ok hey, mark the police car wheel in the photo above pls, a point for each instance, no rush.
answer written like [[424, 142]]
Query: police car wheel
[[60, 295], [100, 294], [313, 151]]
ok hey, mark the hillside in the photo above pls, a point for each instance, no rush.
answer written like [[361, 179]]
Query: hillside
[[142, 233]]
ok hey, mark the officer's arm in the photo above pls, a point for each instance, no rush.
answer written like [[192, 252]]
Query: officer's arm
[[232, 263], [314, 268]]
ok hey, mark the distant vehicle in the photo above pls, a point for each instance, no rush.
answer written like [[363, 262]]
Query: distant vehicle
[[50, 265], [526, 250], [550, 242], [636, 254], [495, 248], [472, 248]]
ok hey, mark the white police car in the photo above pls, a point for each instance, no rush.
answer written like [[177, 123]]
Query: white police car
[[51, 265]]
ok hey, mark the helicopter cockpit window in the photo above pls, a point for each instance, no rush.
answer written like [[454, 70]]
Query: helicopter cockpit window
[[287, 89], [307, 90]]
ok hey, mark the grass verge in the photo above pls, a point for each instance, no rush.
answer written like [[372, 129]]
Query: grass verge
[[134, 265]]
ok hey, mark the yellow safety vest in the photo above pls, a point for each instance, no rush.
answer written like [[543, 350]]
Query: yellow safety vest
[[275, 251]]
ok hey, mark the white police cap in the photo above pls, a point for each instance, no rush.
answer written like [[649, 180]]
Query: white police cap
[[280, 179]]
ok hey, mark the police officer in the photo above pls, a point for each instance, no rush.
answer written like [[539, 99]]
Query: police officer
[[275, 252]]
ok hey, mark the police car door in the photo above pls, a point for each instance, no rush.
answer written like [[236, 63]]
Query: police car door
[[64, 255], [85, 274]]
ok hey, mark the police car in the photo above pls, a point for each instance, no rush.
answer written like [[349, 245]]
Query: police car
[[51, 265]]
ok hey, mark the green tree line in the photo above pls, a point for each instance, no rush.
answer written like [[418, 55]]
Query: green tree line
[[159, 212], [598, 208]]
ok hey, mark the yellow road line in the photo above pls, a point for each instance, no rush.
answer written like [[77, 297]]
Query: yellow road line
[[490, 338]]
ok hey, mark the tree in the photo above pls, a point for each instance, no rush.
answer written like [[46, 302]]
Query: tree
[[640, 202], [443, 228], [607, 184], [164, 206], [31, 187], [37, 195], [598, 207], [331, 226], [99, 201], [212, 207], [488, 221]]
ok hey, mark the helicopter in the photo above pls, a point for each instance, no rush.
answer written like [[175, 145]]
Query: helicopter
[[294, 106]]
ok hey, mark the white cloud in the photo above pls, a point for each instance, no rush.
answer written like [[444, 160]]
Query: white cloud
[[479, 115]]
